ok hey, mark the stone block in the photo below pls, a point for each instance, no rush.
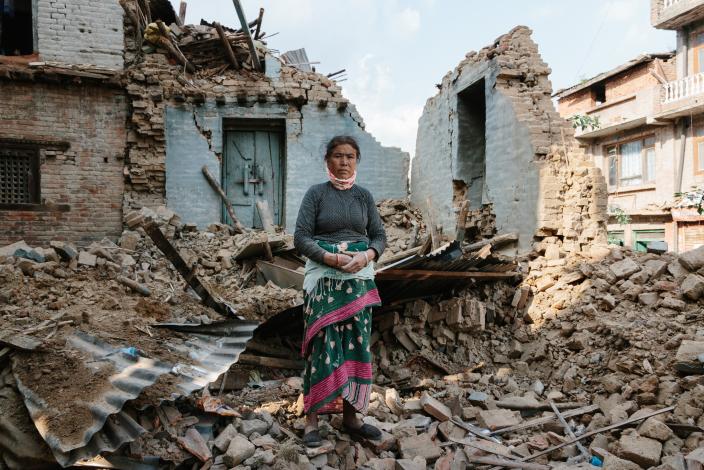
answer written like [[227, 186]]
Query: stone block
[[649, 298], [641, 450], [419, 446], [624, 268], [239, 450], [223, 440], [435, 408], [655, 267], [655, 429], [497, 419], [693, 259], [611, 462], [693, 286], [248, 426], [87, 259]]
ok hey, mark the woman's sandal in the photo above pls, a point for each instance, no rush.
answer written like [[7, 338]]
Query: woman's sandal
[[312, 439], [366, 431]]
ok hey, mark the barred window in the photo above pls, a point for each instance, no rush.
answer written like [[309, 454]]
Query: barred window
[[19, 174]]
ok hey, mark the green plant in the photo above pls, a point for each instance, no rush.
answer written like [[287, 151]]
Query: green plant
[[584, 121], [620, 215]]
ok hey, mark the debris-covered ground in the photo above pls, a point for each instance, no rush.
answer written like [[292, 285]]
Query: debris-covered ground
[[464, 378]]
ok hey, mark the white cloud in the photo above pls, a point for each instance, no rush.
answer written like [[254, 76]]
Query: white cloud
[[407, 22]]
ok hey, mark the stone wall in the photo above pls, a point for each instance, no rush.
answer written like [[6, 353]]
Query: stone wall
[[80, 130], [177, 127], [535, 175]]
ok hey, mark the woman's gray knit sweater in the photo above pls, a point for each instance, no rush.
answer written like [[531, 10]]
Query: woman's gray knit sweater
[[331, 215]]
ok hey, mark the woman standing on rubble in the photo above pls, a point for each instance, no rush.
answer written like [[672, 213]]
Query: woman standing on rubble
[[341, 233]]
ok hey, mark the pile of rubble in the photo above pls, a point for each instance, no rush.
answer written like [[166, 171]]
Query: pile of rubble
[[470, 375]]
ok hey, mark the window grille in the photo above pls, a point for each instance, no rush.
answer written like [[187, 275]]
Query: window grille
[[19, 175]]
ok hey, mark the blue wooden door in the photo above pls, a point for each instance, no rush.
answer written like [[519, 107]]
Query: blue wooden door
[[253, 170]]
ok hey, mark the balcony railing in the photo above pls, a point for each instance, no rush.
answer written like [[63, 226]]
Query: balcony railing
[[669, 3], [683, 88]]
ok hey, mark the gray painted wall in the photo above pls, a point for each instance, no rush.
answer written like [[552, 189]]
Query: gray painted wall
[[382, 170], [81, 32], [511, 175]]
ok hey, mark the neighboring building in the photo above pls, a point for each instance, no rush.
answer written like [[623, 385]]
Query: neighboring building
[[62, 126], [95, 120], [651, 132], [491, 138]]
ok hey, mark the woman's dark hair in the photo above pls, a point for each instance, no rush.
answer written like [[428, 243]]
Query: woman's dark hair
[[342, 140]]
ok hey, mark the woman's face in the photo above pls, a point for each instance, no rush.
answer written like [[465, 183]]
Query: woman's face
[[342, 161]]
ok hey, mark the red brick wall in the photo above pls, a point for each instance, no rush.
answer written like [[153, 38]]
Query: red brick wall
[[87, 176], [629, 82], [576, 103]]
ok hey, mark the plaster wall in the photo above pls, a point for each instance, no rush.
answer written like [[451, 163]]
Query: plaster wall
[[194, 137]]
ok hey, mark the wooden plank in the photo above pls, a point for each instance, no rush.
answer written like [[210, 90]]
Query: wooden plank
[[423, 274], [273, 362], [598, 431], [250, 41], [182, 13], [258, 31], [228, 205], [265, 216], [168, 43], [229, 53], [157, 236], [435, 237], [398, 256], [568, 431], [461, 221], [547, 419], [498, 240]]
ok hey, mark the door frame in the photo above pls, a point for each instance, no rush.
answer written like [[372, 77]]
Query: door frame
[[277, 125]]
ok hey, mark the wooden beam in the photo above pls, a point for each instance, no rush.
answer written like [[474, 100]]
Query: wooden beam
[[423, 274], [398, 256], [245, 28], [229, 53], [462, 221], [228, 205], [265, 216], [598, 431], [493, 242], [259, 24], [568, 430], [184, 270], [273, 362], [547, 419], [182, 13], [168, 43]]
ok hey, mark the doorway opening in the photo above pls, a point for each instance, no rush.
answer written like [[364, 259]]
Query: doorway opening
[[471, 151], [253, 168]]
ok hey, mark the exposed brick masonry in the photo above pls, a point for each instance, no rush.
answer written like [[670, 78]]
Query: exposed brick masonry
[[87, 176]]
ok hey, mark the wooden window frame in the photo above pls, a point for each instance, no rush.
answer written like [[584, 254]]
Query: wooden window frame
[[695, 57], [35, 181], [696, 140], [647, 179]]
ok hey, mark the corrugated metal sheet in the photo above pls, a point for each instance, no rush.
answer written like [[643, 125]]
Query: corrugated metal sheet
[[447, 258], [298, 58], [209, 355]]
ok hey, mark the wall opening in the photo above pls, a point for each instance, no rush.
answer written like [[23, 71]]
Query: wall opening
[[253, 168], [16, 28], [471, 150]]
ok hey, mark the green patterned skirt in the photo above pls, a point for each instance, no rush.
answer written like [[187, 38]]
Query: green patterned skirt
[[338, 323]]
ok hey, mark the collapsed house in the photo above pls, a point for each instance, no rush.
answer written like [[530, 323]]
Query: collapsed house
[[491, 136], [133, 126]]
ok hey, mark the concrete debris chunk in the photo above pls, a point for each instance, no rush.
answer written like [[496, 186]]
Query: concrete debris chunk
[[419, 446], [692, 260], [497, 419], [624, 268], [641, 450], [693, 286], [239, 450], [435, 408]]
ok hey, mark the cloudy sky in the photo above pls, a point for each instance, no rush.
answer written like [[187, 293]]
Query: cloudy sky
[[396, 50]]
